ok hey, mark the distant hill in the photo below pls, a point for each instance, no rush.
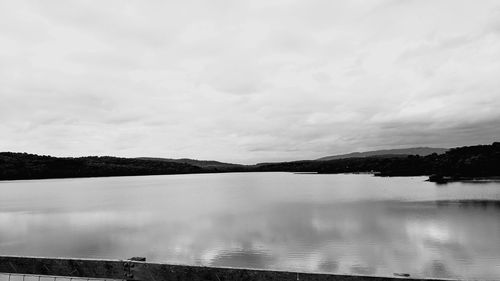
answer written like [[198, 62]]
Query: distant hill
[[422, 151], [14, 166], [478, 161], [442, 165], [206, 164]]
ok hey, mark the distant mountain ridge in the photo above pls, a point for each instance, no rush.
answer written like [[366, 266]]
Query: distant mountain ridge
[[422, 151], [194, 162], [440, 164]]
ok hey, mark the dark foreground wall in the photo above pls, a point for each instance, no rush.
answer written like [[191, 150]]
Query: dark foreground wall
[[137, 270]]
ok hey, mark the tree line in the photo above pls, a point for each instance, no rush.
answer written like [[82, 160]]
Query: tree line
[[456, 163]]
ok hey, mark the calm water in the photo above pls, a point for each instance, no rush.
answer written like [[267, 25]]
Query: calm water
[[323, 223]]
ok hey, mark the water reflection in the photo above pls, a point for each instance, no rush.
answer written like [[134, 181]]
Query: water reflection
[[225, 225], [485, 204]]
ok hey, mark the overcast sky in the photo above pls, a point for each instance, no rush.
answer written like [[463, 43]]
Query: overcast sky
[[247, 81]]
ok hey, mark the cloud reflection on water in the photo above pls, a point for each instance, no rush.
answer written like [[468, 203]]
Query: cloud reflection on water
[[324, 223], [440, 239]]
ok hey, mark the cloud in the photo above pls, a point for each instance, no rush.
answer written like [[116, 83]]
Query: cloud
[[246, 81]]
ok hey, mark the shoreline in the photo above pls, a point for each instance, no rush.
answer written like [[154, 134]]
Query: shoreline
[[440, 179]]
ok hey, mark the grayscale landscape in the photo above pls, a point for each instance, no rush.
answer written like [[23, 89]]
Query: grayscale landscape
[[249, 140]]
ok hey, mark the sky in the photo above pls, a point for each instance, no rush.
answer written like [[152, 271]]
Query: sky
[[247, 81]]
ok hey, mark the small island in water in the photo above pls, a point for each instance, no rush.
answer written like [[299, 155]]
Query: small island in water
[[479, 162]]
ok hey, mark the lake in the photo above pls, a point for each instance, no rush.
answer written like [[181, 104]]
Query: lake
[[356, 224]]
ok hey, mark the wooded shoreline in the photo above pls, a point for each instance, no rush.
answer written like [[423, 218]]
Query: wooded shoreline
[[457, 164]]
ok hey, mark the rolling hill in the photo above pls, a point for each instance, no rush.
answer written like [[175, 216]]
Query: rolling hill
[[422, 151]]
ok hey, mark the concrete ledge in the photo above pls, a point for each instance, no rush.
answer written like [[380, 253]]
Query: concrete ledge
[[144, 271]]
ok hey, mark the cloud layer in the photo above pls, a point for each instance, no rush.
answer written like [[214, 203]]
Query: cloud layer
[[247, 81]]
